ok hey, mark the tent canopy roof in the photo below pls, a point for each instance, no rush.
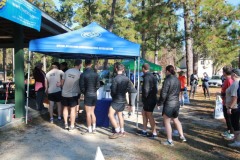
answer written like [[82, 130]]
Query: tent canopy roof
[[92, 41], [129, 64]]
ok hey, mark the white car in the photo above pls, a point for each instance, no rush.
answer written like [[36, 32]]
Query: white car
[[215, 81]]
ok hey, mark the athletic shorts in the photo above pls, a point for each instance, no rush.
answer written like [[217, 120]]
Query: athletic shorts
[[171, 112], [149, 104], [70, 101], [118, 107], [55, 97], [90, 101], [235, 119]]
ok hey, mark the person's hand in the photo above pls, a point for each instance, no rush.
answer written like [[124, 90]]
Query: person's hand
[[229, 111]]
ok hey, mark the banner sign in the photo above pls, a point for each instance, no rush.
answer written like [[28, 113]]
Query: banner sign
[[21, 12]]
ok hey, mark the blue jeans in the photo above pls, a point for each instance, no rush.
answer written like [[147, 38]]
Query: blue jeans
[[40, 98]]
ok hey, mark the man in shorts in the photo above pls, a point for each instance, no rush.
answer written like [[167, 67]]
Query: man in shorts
[[53, 89], [120, 86], [149, 99], [89, 84], [70, 92]]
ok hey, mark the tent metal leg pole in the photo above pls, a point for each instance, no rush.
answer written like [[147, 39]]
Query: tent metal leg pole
[[138, 90], [28, 81]]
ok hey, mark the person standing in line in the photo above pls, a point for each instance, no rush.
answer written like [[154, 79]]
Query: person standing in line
[[227, 71], [183, 82], [64, 66], [53, 89], [149, 99], [40, 77], [132, 100], [169, 99], [232, 106], [70, 92], [205, 85], [89, 84], [120, 86], [193, 83]]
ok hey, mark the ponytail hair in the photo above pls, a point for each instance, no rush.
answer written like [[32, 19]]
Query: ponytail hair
[[170, 69]]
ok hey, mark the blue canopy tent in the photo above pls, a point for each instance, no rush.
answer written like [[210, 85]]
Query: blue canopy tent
[[92, 41], [88, 42]]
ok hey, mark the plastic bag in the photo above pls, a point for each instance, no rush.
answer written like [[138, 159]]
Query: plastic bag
[[218, 111], [186, 98]]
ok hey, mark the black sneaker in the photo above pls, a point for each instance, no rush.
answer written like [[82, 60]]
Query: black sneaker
[[141, 133], [152, 136]]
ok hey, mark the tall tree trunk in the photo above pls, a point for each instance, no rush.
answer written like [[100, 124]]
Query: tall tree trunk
[[143, 33], [110, 27], [195, 62], [188, 43], [4, 64], [156, 50]]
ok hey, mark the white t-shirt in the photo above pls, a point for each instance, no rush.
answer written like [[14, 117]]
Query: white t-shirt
[[71, 83], [54, 80], [230, 93]]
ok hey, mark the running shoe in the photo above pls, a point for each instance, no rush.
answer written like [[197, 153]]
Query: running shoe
[[122, 134], [183, 139], [224, 134], [152, 136], [51, 120], [71, 128], [94, 131], [235, 144], [141, 133], [168, 143], [229, 137], [175, 133], [129, 114], [66, 126], [115, 136]]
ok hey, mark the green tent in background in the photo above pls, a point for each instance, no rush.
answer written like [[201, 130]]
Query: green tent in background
[[129, 64]]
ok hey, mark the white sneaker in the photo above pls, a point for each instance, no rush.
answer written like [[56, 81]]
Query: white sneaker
[[229, 137], [235, 144]]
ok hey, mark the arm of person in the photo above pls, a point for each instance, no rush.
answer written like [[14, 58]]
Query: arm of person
[[82, 84], [98, 83], [163, 94], [146, 87], [113, 88], [46, 85], [233, 102]]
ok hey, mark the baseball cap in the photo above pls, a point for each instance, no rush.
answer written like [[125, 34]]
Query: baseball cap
[[236, 71]]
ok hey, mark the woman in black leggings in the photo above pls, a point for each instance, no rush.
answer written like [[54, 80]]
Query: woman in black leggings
[[205, 85]]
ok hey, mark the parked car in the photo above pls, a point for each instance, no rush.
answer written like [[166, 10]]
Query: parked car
[[216, 81]]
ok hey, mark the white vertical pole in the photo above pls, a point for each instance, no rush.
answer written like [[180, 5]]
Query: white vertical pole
[[138, 88], [44, 64], [28, 81], [134, 72]]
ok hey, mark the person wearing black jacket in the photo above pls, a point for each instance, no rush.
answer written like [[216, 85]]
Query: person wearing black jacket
[[149, 99], [169, 99], [120, 86], [89, 84]]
